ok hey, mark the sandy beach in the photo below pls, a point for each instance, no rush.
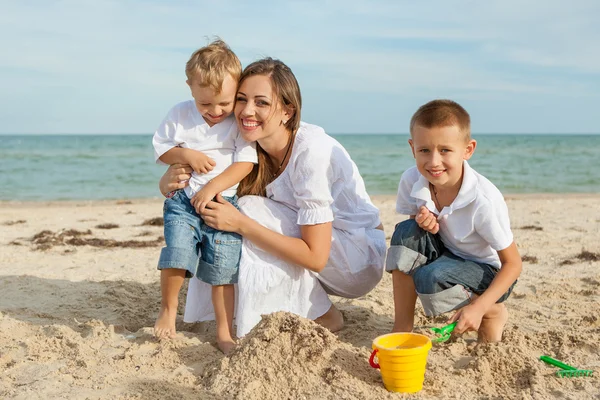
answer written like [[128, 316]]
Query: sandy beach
[[79, 295]]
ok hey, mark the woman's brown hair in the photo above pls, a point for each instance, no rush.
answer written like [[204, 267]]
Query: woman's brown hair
[[287, 91]]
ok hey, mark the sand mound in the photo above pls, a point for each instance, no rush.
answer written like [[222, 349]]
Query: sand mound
[[286, 356]]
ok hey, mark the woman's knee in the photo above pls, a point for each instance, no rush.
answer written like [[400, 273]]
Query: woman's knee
[[271, 214], [249, 203]]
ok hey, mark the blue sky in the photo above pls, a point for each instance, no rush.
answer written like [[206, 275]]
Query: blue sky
[[82, 66]]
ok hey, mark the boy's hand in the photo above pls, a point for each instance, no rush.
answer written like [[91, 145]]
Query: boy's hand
[[200, 162], [202, 198], [427, 220], [469, 318]]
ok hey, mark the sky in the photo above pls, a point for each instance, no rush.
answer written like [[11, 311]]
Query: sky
[[96, 66]]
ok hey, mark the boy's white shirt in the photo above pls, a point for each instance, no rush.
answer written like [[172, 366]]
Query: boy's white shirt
[[184, 127], [475, 226]]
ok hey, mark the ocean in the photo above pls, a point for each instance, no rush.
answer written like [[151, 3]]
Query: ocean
[[91, 167]]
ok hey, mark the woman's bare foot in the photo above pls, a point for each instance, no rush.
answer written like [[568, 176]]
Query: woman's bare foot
[[332, 319], [492, 324], [226, 346], [164, 327]]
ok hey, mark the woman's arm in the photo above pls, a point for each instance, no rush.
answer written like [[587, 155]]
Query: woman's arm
[[310, 251], [176, 177]]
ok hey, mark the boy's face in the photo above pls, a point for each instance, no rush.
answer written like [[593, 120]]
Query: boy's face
[[214, 107], [439, 153]]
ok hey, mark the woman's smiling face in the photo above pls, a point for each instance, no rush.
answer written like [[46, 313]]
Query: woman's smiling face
[[258, 112]]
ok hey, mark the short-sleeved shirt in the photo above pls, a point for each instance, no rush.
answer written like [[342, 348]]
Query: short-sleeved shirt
[[475, 226], [184, 127], [322, 184]]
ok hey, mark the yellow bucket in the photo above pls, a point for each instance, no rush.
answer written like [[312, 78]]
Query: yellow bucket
[[402, 359]]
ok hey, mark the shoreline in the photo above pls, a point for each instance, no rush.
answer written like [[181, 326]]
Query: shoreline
[[375, 197]]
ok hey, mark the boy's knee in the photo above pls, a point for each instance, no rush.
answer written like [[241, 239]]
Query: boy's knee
[[431, 280], [405, 230]]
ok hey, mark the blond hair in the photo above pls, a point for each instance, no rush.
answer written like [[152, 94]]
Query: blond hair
[[287, 92], [439, 113], [210, 65]]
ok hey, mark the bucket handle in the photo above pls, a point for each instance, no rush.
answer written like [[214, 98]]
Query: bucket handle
[[372, 359]]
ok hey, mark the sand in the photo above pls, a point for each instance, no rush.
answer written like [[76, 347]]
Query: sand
[[78, 302]]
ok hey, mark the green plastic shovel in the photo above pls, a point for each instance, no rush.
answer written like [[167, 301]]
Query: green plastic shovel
[[443, 332]]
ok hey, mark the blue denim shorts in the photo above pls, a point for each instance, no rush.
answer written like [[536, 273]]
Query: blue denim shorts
[[444, 281], [212, 255]]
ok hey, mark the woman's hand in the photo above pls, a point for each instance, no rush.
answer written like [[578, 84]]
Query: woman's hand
[[176, 177], [222, 215]]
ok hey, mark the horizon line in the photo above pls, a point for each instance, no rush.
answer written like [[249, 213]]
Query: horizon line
[[329, 133]]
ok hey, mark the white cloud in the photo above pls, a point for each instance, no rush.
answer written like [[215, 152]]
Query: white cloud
[[66, 56]]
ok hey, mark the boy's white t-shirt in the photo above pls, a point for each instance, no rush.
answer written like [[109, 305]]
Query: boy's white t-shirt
[[475, 226], [184, 127]]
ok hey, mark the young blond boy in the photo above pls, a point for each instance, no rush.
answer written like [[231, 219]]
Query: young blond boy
[[456, 251], [203, 134]]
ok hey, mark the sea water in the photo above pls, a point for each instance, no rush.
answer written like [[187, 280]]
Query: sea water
[[68, 167]]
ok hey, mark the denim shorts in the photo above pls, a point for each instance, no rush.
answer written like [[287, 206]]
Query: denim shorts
[[212, 255], [444, 281]]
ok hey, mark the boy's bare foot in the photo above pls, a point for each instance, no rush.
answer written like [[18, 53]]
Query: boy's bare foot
[[492, 324], [164, 327], [332, 319], [402, 328], [226, 346]]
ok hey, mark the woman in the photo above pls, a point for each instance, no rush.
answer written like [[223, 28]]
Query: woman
[[308, 224]]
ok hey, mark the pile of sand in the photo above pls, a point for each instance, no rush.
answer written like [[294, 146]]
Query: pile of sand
[[288, 357]]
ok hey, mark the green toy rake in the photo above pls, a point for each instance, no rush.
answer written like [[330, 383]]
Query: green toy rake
[[566, 369]]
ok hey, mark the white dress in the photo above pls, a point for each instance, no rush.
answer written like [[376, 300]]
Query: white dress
[[320, 184]]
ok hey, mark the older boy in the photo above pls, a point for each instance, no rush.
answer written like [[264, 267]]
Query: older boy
[[203, 134], [456, 251]]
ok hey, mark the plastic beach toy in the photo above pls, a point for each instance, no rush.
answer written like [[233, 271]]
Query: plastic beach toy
[[402, 358], [566, 369], [443, 332]]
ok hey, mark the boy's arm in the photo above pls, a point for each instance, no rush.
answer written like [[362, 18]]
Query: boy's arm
[[508, 274], [470, 316], [226, 179], [200, 162]]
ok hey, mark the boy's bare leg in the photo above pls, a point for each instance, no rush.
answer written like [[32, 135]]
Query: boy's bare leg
[[332, 319], [223, 298], [492, 324], [405, 298], [171, 280]]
